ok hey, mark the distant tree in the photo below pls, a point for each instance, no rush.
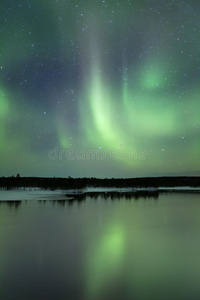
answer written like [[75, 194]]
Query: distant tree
[[18, 175]]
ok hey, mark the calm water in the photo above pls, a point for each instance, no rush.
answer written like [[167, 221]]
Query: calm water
[[101, 249]]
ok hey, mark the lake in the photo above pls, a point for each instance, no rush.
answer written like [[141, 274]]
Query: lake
[[101, 248]]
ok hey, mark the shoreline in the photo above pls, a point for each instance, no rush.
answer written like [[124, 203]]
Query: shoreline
[[28, 194]]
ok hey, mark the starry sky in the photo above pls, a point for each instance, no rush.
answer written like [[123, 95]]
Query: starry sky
[[99, 88]]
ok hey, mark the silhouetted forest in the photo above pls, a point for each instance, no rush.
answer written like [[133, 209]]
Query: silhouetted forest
[[81, 183]]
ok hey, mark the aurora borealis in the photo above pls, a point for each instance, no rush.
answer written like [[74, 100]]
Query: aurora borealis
[[99, 88]]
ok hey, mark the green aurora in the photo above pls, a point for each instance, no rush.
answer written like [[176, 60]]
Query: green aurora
[[99, 88]]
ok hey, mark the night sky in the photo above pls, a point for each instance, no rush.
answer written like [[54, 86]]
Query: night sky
[[99, 88]]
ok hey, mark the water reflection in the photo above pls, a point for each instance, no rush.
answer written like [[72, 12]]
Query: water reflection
[[14, 204], [144, 194], [104, 261], [53, 202], [101, 248], [66, 202]]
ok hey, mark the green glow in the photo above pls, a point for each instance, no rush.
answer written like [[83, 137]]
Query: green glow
[[155, 74], [4, 112], [147, 108], [155, 120], [100, 103], [152, 79], [63, 137], [146, 114], [4, 106], [105, 261]]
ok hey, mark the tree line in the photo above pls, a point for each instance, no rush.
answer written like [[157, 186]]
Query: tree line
[[14, 182]]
